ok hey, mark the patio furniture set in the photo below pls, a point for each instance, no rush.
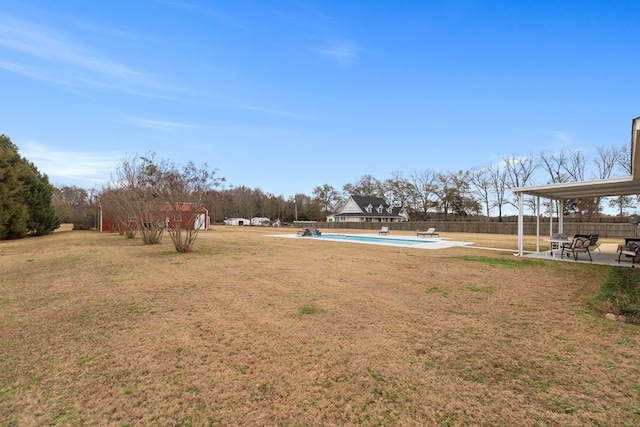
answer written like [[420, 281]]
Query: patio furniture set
[[559, 244]]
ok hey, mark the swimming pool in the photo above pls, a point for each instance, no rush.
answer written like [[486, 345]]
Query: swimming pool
[[374, 240]]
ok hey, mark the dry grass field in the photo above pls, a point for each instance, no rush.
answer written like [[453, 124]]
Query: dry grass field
[[253, 330]]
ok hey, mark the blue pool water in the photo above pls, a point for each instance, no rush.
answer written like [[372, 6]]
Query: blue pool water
[[372, 239]]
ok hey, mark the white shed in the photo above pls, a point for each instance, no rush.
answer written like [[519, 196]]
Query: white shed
[[237, 221]]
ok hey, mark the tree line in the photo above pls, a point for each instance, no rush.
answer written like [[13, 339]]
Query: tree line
[[31, 205], [480, 191]]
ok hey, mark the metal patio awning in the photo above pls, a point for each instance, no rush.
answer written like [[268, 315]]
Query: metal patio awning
[[583, 189]]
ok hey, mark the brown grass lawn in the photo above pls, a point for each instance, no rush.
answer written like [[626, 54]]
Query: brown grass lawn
[[254, 330]]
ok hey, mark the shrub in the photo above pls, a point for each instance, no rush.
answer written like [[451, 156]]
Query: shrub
[[620, 293]]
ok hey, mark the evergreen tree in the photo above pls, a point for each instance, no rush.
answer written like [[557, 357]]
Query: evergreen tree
[[13, 210], [38, 197], [25, 196]]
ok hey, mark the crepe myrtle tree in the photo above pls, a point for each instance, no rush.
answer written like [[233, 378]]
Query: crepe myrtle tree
[[158, 195], [131, 197], [116, 200], [183, 189]]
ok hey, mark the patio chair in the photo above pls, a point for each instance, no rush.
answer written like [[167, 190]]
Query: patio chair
[[430, 232], [579, 244], [593, 242], [569, 242], [384, 230], [632, 249]]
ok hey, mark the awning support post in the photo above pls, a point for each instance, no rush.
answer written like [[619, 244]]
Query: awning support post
[[520, 224], [538, 224], [550, 218]]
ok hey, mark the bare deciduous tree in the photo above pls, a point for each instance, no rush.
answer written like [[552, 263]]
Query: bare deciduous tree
[[454, 194], [620, 203], [327, 198], [158, 195], [115, 206], [481, 186], [184, 189], [555, 164], [422, 187], [607, 160], [576, 167], [367, 185], [520, 170], [624, 161], [131, 193], [398, 189], [498, 180]]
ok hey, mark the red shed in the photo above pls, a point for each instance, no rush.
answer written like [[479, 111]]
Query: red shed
[[201, 222]]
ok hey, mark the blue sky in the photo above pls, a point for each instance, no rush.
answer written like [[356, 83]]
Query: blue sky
[[288, 95]]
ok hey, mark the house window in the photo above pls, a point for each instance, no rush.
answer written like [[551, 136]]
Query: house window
[[379, 209], [132, 219], [369, 209], [177, 218]]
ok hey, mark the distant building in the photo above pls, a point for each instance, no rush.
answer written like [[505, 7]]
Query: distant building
[[369, 209], [236, 221], [201, 222], [261, 221]]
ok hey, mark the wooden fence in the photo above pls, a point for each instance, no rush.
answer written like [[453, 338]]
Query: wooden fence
[[613, 230]]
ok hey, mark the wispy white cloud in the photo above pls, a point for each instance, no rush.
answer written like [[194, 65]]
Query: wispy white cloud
[[561, 136], [323, 33], [26, 71], [90, 167], [548, 137], [45, 44], [161, 125], [271, 111], [66, 61], [341, 51], [216, 15]]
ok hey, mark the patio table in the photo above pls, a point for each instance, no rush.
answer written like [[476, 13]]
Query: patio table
[[555, 246]]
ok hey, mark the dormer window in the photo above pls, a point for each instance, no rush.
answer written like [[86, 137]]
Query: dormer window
[[379, 209], [389, 209], [369, 208]]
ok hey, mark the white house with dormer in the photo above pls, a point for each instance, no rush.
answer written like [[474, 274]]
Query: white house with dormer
[[368, 209]]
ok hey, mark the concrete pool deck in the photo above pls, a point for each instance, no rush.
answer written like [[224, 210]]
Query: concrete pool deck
[[607, 255]]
